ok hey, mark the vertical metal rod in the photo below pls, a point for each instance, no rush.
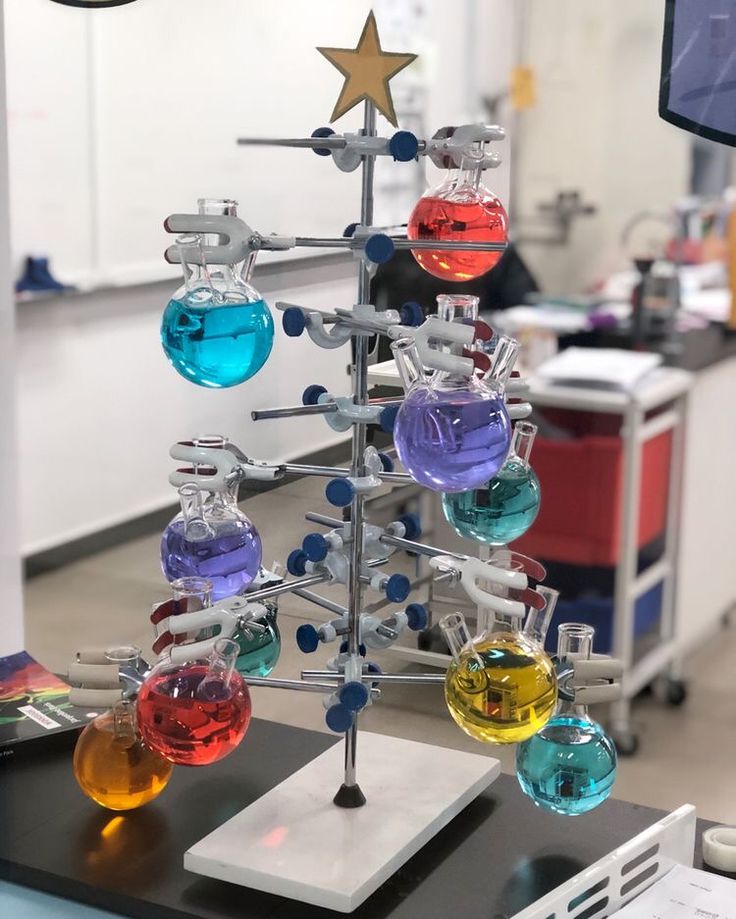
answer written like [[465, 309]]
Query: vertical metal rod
[[360, 394]]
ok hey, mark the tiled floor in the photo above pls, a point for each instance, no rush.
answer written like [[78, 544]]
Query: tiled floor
[[686, 754]]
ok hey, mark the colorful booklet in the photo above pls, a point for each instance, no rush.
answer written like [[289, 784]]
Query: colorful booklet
[[35, 711]]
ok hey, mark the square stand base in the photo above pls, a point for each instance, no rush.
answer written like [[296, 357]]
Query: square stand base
[[296, 843]]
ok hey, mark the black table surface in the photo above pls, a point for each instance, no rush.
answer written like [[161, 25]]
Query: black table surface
[[498, 856]]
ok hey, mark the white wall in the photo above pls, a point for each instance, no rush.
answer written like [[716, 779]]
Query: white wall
[[99, 405], [11, 617], [595, 127]]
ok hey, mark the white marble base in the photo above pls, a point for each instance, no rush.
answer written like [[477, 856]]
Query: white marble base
[[296, 843]]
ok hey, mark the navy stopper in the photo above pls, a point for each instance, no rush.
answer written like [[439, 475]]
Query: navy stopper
[[379, 248], [311, 394], [412, 525], [403, 146], [386, 462], [307, 638], [315, 547], [338, 718], [411, 313], [417, 617], [322, 132], [353, 695], [398, 588], [339, 492], [387, 419], [296, 563], [293, 322]]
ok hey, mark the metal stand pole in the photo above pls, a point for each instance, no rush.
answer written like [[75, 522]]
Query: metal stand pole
[[350, 794]]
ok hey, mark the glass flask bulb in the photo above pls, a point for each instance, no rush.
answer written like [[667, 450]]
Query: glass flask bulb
[[112, 764], [451, 433], [196, 713], [500, 687], [259, 651], [504, 508], [569, 767], [217, 330], [211, 538], [462, 209]]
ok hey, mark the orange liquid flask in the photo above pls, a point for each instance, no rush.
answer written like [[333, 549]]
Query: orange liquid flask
[[114, 767]]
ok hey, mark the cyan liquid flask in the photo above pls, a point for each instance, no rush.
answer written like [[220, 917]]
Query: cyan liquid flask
[[501, 687], [569, 767], [504, 508], [217, 330], [211, 538], [259, 651]]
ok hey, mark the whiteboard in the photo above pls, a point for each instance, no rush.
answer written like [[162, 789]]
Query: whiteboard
[[121, 116]]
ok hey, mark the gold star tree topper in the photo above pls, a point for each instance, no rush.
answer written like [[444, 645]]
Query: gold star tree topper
[[367, 70]]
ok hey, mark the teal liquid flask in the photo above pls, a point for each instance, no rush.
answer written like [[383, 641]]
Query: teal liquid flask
[[259, 651], [217, 330], [506, 507], [569, 767]]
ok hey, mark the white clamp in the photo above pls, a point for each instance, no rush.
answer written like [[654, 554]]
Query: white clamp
[[458, 144], [472, 574]]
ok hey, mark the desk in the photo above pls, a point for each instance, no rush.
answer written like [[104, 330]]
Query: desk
[[498, 856]]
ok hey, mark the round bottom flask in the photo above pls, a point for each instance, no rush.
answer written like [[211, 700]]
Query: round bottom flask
[[211, 538], [569, 767], [198, 713], [500, 688], [114, 767], [504, 508], [259, 652]]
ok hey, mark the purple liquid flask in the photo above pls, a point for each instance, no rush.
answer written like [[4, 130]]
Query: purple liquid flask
[[452, 432], [211, 538]]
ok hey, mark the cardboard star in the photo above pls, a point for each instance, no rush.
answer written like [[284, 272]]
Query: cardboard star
[[367, 70]]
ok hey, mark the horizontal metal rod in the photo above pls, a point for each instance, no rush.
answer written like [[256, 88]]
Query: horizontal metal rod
[[417, 547], [331, 142], [298, 685], [320, 601], [337, 472], [400, 242], [285, 588], [323, 519], [292, 411], [417, 679]]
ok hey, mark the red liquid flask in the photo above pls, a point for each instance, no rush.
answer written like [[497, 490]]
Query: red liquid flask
[[198, 713], [463, 210]]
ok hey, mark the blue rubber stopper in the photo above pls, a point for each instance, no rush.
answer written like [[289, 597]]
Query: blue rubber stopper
[[398, 588], [316, 547], [417, 617], [322, 132], [339, 492], [338, 718], [379, 248], [387, 418], [411, 313], [350, 229], [354, 695], [386, 462], [311, 394], [412, 525], [293, 322], [307, 638], [403, 146], [296, 563]]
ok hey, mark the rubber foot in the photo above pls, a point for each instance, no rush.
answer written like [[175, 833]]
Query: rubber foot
[[349, 796]]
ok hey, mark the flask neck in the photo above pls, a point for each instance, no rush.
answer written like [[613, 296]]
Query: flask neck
[[574, 642], [523, 440], [124, 722], [458, 308], [502, 362], [217, 682], [538, 620], [457, 634], [408, 363], [192, 511]]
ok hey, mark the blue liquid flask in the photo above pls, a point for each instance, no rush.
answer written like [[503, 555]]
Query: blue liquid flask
[[259, 651], [569, 767], [217, 330], [504, 508], [213, 539]]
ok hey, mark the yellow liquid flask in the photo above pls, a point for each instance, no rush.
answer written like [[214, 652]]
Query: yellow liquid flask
[[501, 687], [114, 767]]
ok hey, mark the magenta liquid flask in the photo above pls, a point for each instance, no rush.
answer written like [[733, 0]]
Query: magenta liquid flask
[[452, 433], [211, 538]]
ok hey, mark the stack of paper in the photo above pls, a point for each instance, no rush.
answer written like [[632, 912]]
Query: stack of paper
[[684, 893], [611, 367]]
